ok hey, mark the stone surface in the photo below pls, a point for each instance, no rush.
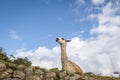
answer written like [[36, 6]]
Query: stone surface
[[13, 72], [33, 77], [2, 66], [77, 76], [3, 75], [18, 74], [21, 67], [8, 79], [16, 79], [62, 74], [12, 66], [50, 75], [28, 71], [10, 71], [66, 78], [72, 78], [39, 72]]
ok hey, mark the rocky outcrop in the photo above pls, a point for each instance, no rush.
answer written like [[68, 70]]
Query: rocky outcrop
[[10, 71]]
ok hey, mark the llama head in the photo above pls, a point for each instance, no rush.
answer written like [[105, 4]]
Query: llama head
[[62, 40]]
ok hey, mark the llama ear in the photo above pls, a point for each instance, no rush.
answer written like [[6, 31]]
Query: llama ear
[[68, 40]]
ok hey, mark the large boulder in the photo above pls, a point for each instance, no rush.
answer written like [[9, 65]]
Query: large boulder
[[39, 72], [50, 75], [62, 74], [16, 79], [77, 76], [28, 71], [21, 67], [33, 73], [33, 77], [18, 74], [4, 75], [11, 65], [10, 71], [8, 79], [66, 77], [2, 67]]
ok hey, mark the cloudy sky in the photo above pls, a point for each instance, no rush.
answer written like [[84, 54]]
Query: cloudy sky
[[28, 28]]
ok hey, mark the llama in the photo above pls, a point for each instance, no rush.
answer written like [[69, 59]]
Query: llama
[[67, 65]]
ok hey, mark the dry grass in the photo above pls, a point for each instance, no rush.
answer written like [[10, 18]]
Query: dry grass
[[92, 75], [106, 78]]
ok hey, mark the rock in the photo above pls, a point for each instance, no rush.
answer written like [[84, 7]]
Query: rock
[[28, 71], [10, 71], [33, 77], [90, 74], [12, 66], [8, 79], [50, 75], [62, 74], [16, 79], [33, 73], [18, 74], [83, 78], [72, 78], [4, 75], [39, 72], [21, 67], [41, 76], [92, 79], [36, 67], [2, 67], [66, 78], [49, 79], [77, 76]]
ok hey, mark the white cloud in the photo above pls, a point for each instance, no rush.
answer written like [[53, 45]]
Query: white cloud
[[42, 56], [108, 15], [13, 35], [97, 2], [80, 2], [76, 6], [107, 34], [78, 33], [92, 16], [108, 21]]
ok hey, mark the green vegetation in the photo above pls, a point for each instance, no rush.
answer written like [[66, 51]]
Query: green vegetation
[[55, 70], [23, 61], [92, 75], [106, 78], [4, 58], [43, 69]]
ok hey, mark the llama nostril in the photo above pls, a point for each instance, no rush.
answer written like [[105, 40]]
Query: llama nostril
[[57, 39]]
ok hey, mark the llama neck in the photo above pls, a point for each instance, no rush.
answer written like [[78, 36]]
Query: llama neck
[[64, 57]]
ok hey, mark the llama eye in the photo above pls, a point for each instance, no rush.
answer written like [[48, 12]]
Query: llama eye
[[63, 39]]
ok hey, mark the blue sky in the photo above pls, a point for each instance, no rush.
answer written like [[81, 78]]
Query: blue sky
[[28, 28], [39, 22]]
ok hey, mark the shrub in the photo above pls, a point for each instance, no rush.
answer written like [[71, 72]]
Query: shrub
[[23, 61], [3, 56], [54, 70]]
